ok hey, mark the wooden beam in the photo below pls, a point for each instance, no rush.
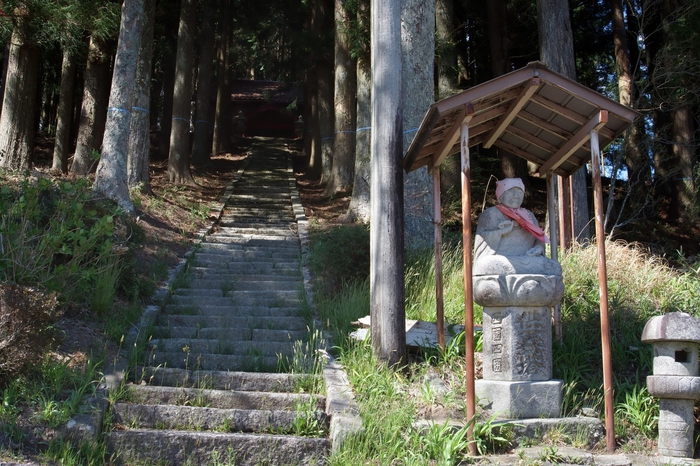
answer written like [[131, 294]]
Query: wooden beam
[[520, 153], [488, 115], [545, 125], [573, 144], [528, 90], [567, 113], [532, 139], [450, 137], [553, 242], [499, 100], [439, 295]]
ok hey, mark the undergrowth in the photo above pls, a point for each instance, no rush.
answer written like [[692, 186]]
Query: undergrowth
[[640, 285]]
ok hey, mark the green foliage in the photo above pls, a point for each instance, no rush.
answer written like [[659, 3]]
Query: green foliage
[[53, 235], [338, 255], [641, 410], [53, 394]]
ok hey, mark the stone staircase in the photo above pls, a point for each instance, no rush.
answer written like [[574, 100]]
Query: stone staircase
[[227, 376]]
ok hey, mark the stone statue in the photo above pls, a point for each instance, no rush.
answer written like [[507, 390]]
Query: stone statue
[[510, 267], [508, 238]]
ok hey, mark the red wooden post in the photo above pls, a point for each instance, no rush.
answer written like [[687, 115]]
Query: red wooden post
[[437, 220]]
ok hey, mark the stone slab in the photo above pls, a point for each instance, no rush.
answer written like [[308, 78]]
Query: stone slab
[[520, 400]]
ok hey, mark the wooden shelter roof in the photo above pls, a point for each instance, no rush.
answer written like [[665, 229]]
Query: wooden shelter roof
[[532, 112]]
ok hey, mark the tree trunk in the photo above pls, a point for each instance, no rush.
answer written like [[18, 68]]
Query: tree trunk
[[512, 166], [65, 114], [418, 42], [446, 54], [638, 163], [180, 144], [110, 178], [140, 140], [325, 117], [321, 21], [557, 52], [682, 183], [203, 126], [222, 118], [94, 108], [345, 106], [388, 332], [17, 122], [359, 208]]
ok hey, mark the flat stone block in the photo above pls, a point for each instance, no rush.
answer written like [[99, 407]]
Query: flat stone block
[[517, 343], [520, 400]]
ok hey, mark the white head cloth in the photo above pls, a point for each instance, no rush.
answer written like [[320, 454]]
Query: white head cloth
[[507, 183]]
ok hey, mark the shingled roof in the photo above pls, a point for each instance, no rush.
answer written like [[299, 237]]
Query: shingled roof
[[532, 112]]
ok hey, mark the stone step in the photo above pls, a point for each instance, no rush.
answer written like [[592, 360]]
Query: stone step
[[281, 267], [232, 322], [267, 257], [229, 311], [194, 302], [229, 346], [248, 251], [166, 416], [236, 285], [146, 446], [217, 362], [221, 332], [220, 380], [238, 295], [255, 240], [241, 226], [204, 273]]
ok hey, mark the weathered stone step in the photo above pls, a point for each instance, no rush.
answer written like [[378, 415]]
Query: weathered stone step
[[205, 273], [248, 251], [233, 322], [251, 298], [282, 227], [221, 399], [207, 418], [283, 267], [195, 301], [267, 256], [255, 240], [178, 448], [236, 285], [230, 310], [221, 332], [229, 346], [216, 362], [220, 380]]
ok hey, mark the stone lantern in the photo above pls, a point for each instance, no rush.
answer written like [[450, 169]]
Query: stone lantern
[[675, 382]]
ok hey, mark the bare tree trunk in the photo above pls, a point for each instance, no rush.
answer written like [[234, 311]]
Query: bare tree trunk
[[140, 140], [222, 118], [512, 166], [418, 42], [17, 122], [325, 116], [557, 52], [638, 163], [65, 113], [345, 106], [110, 178], [682, 183], [446, 54], [180, 144], [203, 126], [388, 331], [321, 21], [360, 202], [94, 107]]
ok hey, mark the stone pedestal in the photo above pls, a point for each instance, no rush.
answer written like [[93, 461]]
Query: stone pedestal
[[517, 343], [520, 400], [676, 428], [518, 364]]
